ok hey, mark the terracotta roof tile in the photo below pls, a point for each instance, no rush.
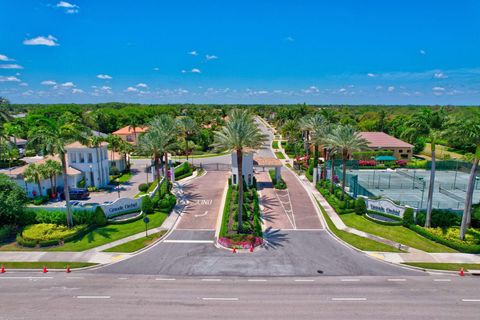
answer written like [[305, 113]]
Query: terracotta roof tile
[[383, 140]]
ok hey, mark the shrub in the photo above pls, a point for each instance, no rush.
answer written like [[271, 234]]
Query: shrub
[[401, 163], [457, 244], [92, 189], [38, 201], [26, 243], [419, 145], [114, 171], [408, 217], [360, 206], [49, 231], [6, 232], [147, 205], [100, 218], [440, 218], [143, 187]]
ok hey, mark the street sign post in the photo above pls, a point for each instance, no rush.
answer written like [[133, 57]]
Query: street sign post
[[146, 220]]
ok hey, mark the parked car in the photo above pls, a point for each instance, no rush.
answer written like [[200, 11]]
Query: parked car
[[79, 194]]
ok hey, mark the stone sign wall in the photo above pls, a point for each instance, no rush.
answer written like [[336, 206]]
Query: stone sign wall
[[385, 206], [121, 206]]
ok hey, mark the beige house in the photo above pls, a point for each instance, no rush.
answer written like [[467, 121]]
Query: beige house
[[380, 141], [130, 134]]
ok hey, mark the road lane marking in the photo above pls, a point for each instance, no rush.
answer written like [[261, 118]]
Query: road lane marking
[[75, 278], [304, 280], [188, 241], [256, 280], [442, 280], [349, 299], [201, 215], [122, 278], [93, 297], [216, 280], [220, 299], [471, 300], [24, 278], [350, 280], [165, 279], [396, 280]]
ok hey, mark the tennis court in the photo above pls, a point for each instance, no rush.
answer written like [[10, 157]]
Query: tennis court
[[410, 187]]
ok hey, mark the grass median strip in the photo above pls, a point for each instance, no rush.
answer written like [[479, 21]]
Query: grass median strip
[[444, 266], [50, 265], [354, 240], [398, 234], [137, 244]]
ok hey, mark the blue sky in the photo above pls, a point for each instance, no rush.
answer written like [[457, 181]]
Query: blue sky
[[353, 52]]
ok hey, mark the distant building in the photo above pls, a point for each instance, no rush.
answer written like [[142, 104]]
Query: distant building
[[117, 160], [129, 134], [380, 141]]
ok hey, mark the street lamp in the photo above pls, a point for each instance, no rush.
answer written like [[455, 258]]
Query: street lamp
[[92, 183], [118, 188]]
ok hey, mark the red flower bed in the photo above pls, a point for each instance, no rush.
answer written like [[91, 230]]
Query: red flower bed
[[401, 163], [367, 163], [245, 244]]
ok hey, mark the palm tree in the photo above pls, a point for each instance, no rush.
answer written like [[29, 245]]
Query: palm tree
[[315, 126], [4, 116], [240, 132], [133, 123], [95, 142], [429, 123], [52, 137], [290, 129], [320, 138], [346, 140], [469, 130], [114, 143], [34, 173], [11, 154], [187, 127], [51, 169]]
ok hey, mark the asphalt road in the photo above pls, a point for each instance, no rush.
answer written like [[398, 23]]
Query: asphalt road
[[87, 296]]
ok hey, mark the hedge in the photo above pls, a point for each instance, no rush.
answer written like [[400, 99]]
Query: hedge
[[226, 210], [459, 247], [385, 223]]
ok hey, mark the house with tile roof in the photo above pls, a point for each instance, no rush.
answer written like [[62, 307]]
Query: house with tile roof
[[380, 141], [130, 134]]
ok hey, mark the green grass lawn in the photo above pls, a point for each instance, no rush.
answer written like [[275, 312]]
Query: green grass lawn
[[49, 265], [100, 236], [137, 244], [279, 155], [275, 144], [445, 266], [357, 241], [399, 234], [125, 177]]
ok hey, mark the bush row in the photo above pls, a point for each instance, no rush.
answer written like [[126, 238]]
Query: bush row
[[462, 247], [341, 207]]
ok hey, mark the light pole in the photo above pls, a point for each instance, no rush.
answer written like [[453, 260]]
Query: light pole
[[92, 183], [146, 170], [118, 188]]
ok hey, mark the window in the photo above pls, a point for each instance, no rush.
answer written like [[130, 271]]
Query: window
[[400, 151], [90, 157], [234, 179], [408, 151], [404, 156], [73, 157], [82, 158], [129, 138]]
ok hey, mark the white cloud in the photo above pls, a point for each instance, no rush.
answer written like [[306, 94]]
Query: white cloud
[[156, 69], [23, 84], [49, 41], [27, 93], [104, 76], [131, 89], [378, 88], [372, 75], [74, 91], [195, 70], [69, 7], [193, 53], [440, 75], [142, 85], [5, 58], [311, 89], [211, 57], [48, 83], [289, 39], [391, 89], [68, 84], [438, 89], [10, 66], [9, 79], [423, 52], [342, 90], [183, 71]]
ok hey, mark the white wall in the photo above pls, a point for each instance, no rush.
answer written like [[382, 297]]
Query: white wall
[[97, 159], [247, 167]]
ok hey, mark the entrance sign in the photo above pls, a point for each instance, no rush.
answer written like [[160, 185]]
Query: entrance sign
[[385, 206], [120, 206]]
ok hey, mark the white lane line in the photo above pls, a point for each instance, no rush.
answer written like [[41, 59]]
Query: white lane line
[[396, 280], [471, 300], [74, 277], [93, 297], [201, 215], [24, 278], [442, 280], [349, 299], [304, 280], [188, 241], [256, 280], [216, 280], [220, 299], [350, 280], [165, 279], [122, 278]]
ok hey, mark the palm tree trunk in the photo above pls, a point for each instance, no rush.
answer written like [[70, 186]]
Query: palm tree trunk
[[65, 190], [186, 148], [39, 185], [325, 158], [428, 218], [157, 173], [332, 159], [240, 190], [466, 217], [166, 164], [344, 173], [51, 186]]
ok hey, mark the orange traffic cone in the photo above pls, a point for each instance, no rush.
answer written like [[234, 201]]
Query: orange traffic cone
[[234, 250], [3, 269], [251, 248], [45, 269], [462, 273], [68, 269]]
